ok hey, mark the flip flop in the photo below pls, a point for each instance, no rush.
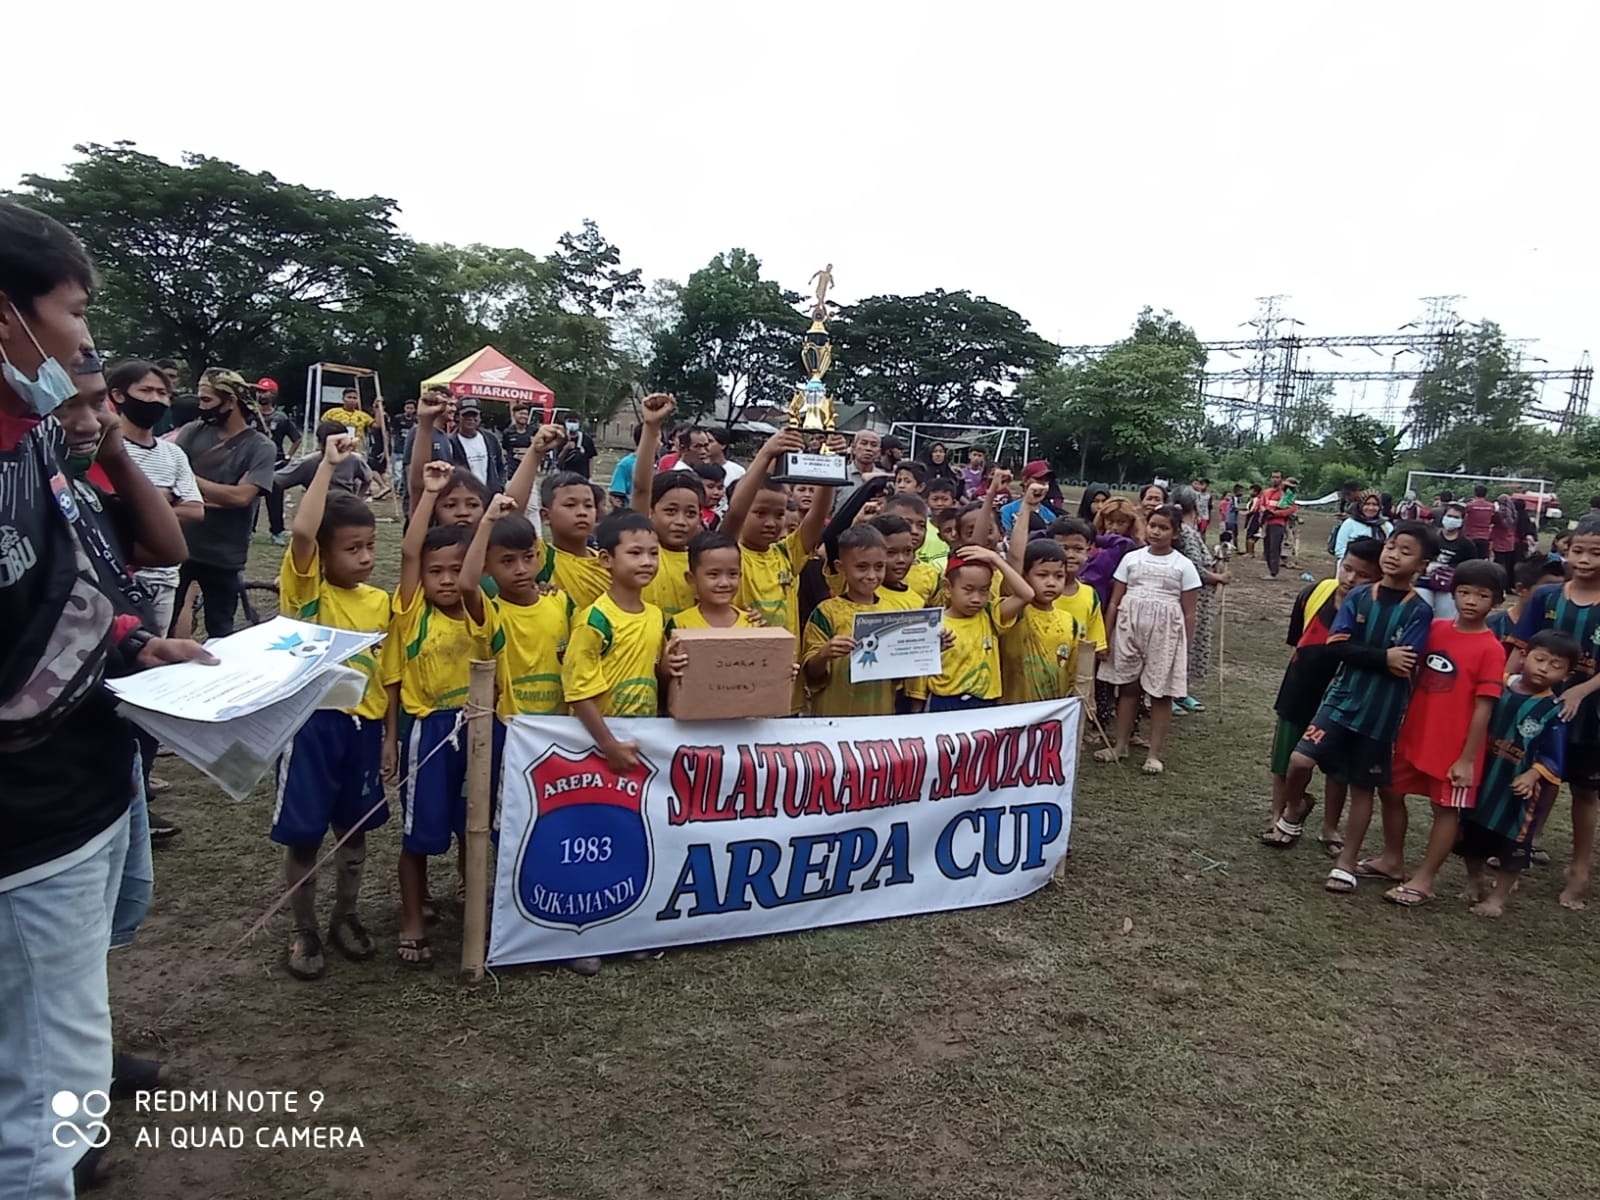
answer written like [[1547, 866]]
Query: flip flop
[[1407, 896], [415, 953], [1365, 870], [1340, 882], [1331, 846], [1152, 766], [1284, 835]]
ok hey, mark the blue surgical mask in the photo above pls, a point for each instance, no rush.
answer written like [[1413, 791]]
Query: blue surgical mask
[[1450, 522], [53, 387]]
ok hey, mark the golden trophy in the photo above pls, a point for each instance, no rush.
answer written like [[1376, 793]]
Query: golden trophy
[[811, 408]]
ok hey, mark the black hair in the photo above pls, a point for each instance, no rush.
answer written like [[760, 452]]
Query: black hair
[[1170, 513], [328, 429], [442, 537], [1564, 535], [974, 506], [1255, 489], [1067, 526], [459, 478], [37, 255], [129, 372], [858, 537], [946, 514], [1164, 493], [890, 525], [711, 472], [1042, 550], [768, 483], [943, 483], [1481, 573], [1480, 491], [918, 471], [1531, 570], [671, 481], [1562, 645], [551, 484], [1364, 549], [909, 501], [706, 541], [638, 432], [166, 364], [1446, 497], [1588, 526], [1425, 536], [344, 511], [608, 534], [1594, 501], [1455, 504], [513, 532]]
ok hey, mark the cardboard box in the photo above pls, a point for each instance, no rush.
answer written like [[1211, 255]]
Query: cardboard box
[[733, 673]]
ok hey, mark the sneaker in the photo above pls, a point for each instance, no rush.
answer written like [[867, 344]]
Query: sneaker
[[280, 539], [161, 829], [1188, 704]]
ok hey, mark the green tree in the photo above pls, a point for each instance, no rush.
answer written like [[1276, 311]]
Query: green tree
[[1130, 410], [737, 340], [214, 263], [1363, 441], [590, 275], [941, 356], [1468, 410]]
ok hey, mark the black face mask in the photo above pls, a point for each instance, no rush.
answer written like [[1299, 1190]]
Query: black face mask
[[215, 416], [143, 413]]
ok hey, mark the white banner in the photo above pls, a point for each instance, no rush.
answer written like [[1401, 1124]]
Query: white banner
[[730, 829]]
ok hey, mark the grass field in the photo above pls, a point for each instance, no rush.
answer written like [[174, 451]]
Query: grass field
[[1187, 1014]]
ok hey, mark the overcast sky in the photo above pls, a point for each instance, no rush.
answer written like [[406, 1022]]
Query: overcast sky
[[1073, 161]]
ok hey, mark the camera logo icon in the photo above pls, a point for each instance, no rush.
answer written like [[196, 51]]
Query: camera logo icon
[[66, 1132]]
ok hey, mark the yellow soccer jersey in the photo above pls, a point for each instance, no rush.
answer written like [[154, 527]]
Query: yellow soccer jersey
[[1036, 655], [838, 697], [926, 580], [363, 608], [528, 641], [972, 665], [429, 655], [693, 618], [350, 419], [900, 598], [670, 590], [1084, 605], [771, 582], [580, 576], [612, 657]]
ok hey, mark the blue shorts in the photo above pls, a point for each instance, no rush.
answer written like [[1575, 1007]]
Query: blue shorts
[[957, 703], [435, 800], [330, 776]]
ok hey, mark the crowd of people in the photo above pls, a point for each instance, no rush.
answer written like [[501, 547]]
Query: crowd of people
[[120, 493]]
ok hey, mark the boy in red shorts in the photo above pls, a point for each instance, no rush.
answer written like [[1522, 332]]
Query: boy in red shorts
[[1439, 753]]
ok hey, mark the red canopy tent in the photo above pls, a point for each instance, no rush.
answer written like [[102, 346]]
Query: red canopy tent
[[489, 375]]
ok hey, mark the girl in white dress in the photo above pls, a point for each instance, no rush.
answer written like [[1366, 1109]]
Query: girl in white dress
[[1151, 618]]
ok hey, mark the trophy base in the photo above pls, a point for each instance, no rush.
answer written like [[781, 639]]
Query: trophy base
[[827, 470]]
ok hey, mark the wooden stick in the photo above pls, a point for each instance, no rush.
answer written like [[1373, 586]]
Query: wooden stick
[[480, 752]]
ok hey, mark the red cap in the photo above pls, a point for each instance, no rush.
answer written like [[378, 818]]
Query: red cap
[[1037, 469], [266, 385]]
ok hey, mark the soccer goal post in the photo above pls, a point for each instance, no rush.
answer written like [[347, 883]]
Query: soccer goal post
[[1541, 492], [1010, 445]]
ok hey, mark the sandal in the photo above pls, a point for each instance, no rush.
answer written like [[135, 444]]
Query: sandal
[[304, 960], [1340, 882], [350, 937], [1367, 869], [1407, 896], [1284, 835], [1152, 766], [1539, 856], [1108, 755], [415, 952], [1331, 846], [1139, 742]]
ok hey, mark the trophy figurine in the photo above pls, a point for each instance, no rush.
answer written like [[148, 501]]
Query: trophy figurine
[[811, 408]]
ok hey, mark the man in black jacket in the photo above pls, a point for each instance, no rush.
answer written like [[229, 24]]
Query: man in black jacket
[[66, 758], [476, 450]]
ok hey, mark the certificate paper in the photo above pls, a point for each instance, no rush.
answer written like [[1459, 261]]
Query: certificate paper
[[896, 645]]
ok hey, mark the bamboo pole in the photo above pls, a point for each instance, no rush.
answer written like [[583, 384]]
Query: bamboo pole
[[480, 805]]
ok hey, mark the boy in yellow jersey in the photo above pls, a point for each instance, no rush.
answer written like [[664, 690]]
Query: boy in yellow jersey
[[906, 582], [714, 575], [825, 654], [672, 501], [771, 562], [426, 668], [330, 776], [927, 571], [1037, 653], [525, 627], [971, 667], [1075, 536], [614, 654], [569, 508]]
